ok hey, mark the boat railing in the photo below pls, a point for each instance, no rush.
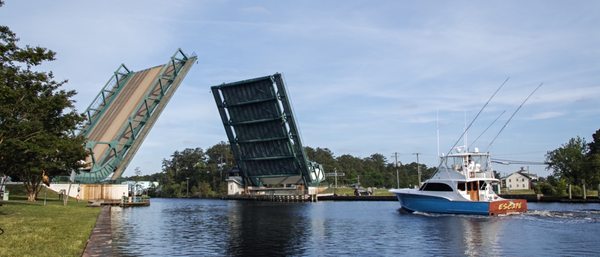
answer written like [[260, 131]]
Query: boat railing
[[481, 174]]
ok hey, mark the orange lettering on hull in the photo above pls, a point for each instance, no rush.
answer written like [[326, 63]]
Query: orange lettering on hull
[[508, 206]]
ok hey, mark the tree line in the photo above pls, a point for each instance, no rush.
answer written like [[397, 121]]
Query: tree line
[[575, 163], [194, 172]]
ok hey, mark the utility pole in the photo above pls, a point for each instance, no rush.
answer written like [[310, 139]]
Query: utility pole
[[397, 174], [418, 168], [187, 187], [336, 175]]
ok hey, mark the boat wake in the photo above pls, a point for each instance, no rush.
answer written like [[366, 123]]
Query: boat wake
[[426, 214], [573, 217], [576, 216]]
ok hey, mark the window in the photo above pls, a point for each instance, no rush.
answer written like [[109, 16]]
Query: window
[[481, 185], [436, 187], [462, 186], [523, 185], [509, 186], [508, 180], [523, 179]]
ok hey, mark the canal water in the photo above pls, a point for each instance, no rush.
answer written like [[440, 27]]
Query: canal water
[[199, 227]]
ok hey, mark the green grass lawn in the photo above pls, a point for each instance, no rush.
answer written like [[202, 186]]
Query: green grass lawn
[[32, 229], [590, 193], [518, 192]]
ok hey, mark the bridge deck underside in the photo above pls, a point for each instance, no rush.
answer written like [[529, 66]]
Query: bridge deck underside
[[117, 114], [262, 140]]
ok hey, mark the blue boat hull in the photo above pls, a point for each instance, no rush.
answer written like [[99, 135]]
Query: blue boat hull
[[433, 204]]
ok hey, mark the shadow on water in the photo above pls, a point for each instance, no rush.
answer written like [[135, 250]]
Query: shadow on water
[[194, 227], [266, 229]]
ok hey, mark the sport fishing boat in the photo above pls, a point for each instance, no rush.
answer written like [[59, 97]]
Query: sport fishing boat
[[463, 184]]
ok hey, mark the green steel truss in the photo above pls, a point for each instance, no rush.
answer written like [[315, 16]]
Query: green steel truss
[[140, 121], [261, 128], [108, 93]]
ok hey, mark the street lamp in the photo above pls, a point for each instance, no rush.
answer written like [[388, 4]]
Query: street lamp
[[187, 187]]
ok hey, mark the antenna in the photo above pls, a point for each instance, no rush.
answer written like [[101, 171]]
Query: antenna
[[437, 124], [513, 115], [473, 143], [466, 132]]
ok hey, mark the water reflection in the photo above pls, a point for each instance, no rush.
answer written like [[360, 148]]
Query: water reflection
[[266, 229], [184, 227], [194, 227], [457, 235]]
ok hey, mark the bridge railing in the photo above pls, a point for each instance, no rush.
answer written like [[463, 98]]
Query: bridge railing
[[130, 135], [105, 98]]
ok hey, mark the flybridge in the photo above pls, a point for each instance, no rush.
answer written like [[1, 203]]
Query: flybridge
[[123, 113]]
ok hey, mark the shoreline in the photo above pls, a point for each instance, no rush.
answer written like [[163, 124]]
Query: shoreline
[[100, 241], [529, 198]]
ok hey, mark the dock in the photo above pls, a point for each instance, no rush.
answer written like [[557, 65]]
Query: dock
[[120, 203], [271, 198]]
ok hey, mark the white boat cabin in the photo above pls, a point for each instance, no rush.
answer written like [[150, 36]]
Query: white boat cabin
[[467, 173]]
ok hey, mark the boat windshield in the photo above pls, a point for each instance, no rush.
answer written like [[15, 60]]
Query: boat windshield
[[435, 187]]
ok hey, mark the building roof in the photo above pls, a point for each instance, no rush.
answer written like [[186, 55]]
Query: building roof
[[523, 173]]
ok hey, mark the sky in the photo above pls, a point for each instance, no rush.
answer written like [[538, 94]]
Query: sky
[[364, 77]]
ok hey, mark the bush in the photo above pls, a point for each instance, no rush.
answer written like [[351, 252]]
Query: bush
[[545, 188], [559, 185]]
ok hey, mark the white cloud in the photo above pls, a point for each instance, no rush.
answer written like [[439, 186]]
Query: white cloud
[[547, 115], [363, 77]]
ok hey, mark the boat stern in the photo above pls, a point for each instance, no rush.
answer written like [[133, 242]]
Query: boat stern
[[507, 206]]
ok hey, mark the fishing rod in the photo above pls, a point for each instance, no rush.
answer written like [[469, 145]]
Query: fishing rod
[[473, 121], [513, 115], [473, 143], [476, 116]]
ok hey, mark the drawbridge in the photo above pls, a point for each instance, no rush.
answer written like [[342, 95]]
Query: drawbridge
[[123, 113], [263, 135]]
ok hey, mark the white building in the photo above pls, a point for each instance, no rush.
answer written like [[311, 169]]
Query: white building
[[140, 187], [234, 185], [520, 180]]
